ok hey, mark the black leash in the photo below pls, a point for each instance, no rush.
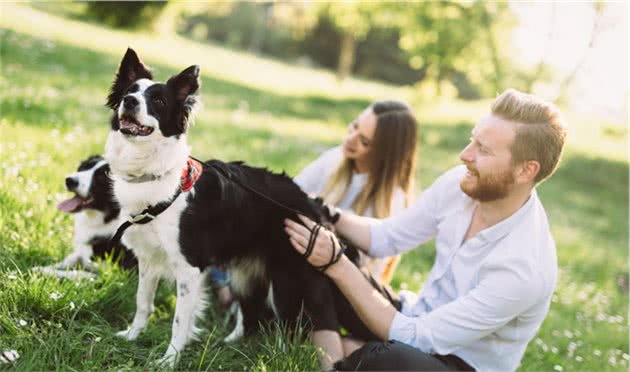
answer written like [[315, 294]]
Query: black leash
[[336, 255], [225, 173], [147, 215], [150, 213]]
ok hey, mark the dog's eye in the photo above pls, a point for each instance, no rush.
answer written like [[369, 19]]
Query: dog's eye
[[158, 100]]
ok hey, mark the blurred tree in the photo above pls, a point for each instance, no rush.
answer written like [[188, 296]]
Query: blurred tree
[[122, 14], [454, 39], [353, 20], [460, 45]]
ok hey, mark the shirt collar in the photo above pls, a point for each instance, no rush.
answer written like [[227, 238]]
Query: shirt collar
[[499, 230]]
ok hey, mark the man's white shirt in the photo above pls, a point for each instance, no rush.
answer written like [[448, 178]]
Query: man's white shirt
[[484, 298]]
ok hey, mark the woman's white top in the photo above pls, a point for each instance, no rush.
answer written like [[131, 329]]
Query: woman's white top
[[314, 177]]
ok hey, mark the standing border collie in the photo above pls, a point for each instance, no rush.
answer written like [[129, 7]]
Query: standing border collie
[[203, 219], [96, 218]]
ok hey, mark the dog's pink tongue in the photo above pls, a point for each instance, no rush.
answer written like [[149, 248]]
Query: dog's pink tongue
[[70, 205], [126, 124]]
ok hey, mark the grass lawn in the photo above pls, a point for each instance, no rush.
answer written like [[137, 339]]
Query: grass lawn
[[55, 75]]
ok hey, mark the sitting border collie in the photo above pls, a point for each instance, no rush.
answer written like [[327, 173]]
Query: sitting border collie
[[184, 216], [96, 218]]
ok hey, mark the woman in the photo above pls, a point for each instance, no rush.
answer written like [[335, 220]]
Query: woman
[[372, 173]]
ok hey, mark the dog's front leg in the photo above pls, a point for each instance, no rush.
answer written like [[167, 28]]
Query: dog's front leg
[[189, 304], [80, 256], [147, 285]]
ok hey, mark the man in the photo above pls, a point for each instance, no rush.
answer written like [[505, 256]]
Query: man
[[495, 269]]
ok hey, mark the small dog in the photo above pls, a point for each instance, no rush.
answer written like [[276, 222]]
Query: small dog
[[185, 216], [96, 218]]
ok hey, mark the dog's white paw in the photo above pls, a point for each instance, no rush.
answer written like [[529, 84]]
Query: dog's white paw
[[129, 334], [238, 331], [167, 361]]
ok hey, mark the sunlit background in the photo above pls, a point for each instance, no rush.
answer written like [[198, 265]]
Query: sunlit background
[[280, 82]]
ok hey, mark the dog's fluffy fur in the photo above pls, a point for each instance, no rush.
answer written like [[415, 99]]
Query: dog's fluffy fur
[[96, 218], [216, 222]]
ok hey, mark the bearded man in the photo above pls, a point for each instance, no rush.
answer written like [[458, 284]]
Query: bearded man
[[491, 285]]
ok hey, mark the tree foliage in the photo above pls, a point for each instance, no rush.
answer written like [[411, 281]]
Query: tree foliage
[[463, 44], [125, 14]]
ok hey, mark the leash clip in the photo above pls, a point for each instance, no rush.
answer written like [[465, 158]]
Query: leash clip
[[139, 217]]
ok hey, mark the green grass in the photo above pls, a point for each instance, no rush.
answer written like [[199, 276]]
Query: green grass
[[54, 79]]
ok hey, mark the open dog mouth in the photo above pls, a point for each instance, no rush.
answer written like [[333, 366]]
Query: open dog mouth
[[130, 126], [75, 204]]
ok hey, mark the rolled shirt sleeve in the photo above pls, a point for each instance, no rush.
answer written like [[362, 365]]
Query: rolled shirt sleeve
[[505, 290]]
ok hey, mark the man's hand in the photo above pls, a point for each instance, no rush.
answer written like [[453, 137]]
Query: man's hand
[[325, 247]]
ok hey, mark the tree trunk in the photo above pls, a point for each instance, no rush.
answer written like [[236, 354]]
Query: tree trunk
[[346, 56]]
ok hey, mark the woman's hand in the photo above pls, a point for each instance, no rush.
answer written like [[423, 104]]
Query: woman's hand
[[325, 247]]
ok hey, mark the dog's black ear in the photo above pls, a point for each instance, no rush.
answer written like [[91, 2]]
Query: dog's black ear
[[184, 87], [131, 69], [185, 84]]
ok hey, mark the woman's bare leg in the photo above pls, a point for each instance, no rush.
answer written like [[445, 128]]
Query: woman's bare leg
[[350, 345], [331, 347]]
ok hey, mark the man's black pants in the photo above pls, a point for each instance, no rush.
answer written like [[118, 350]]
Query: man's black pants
[[390, 355]]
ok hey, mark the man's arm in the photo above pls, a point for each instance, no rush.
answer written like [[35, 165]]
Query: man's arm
[[356, 229], [505, 289], [375, 311]]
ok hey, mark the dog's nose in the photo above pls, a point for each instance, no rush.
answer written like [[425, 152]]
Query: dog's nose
[[130, 102], [71, 183]]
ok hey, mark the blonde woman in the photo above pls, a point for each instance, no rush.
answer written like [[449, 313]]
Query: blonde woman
[[372, 173]]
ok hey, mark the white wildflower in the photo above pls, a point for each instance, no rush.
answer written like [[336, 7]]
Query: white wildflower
[[22, 323], [579, 359], [8, 356], [557, 368], [597, 352], [55, 296], [554, 350]]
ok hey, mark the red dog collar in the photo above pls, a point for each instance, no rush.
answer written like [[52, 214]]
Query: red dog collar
[[190, 175]]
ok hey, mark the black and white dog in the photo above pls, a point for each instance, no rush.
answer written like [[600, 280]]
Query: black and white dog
[[204, 220], [96, 218]]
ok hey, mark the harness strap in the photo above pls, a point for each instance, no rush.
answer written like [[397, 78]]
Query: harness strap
[[189, 176], [147, 215]]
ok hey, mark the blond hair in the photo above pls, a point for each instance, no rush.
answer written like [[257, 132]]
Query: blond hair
[[540, 130], [391, 162]]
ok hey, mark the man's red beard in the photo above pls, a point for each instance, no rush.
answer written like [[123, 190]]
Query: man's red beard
[[489, 187]]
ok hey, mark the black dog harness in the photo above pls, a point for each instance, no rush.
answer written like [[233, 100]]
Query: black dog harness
[[190, 174]]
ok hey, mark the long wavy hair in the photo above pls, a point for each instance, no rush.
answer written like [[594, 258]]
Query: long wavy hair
[[391, 162]]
